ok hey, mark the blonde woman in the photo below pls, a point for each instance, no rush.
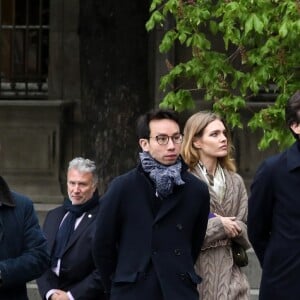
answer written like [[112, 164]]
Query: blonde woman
[[207, 149]]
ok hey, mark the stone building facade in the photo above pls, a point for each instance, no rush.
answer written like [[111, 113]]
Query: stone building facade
[[40, 117]]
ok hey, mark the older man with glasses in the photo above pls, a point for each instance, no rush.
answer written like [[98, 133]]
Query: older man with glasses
[[153, 220]]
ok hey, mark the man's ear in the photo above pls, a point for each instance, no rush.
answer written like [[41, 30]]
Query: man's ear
[[295, 127], [144, 144]]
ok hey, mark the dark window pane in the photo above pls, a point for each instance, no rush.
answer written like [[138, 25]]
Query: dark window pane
[[24, 48], [34, 12], [7, 11], [20, 12]]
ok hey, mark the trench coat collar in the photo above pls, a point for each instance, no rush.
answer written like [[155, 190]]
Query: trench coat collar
[[5, 195], [293, 156]]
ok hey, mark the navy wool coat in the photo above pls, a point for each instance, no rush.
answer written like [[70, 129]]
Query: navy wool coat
[[274, 224], [23, 247], [130, 238], [78, 273]]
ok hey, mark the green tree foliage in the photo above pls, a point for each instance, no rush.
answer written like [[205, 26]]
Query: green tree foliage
[[257, 48]]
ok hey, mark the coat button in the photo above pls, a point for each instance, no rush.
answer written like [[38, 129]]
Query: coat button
[[179, 226], [177, 252]]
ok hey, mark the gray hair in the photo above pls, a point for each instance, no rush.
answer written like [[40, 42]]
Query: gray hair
[[84, 165]]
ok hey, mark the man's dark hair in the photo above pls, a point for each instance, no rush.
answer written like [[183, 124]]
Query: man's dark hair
[[143, 129], [292, 111]]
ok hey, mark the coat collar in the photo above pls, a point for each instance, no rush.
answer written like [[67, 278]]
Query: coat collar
[[169, 203], [88, 218], [172, 200], [293, 156], [5, 194]]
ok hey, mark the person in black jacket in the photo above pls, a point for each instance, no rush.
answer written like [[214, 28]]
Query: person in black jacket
[[274, 216], [23, 247], [152, 220], [70, 232]]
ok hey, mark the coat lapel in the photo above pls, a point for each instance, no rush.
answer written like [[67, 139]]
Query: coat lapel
[[293, 157], [88, 218], [55, 227], [169, 203]]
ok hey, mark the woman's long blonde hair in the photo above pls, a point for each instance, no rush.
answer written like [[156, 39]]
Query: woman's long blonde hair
[[194, 128]]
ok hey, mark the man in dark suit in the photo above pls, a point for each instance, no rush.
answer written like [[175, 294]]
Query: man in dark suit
[[153, 220], [70, 232], [274, 216]]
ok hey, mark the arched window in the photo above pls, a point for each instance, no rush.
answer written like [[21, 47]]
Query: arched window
[[24, 49]]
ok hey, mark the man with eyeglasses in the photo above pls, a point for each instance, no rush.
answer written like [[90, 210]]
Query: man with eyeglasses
[[152, 220]]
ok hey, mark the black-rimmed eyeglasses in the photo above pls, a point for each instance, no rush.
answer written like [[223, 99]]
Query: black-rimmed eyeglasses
[[164, 139]]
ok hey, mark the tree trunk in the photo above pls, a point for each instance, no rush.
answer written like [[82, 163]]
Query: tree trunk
[[114, 82]]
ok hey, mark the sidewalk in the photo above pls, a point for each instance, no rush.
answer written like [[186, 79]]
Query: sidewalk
[[253, 272]]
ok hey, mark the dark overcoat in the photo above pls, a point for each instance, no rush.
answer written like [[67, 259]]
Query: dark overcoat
[[274, 224], [142, 255], [23, 247], [78, 273]]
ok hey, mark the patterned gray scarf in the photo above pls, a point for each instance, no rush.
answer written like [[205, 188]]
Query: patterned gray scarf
[[164, 177]]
